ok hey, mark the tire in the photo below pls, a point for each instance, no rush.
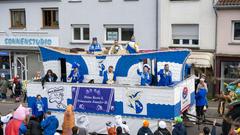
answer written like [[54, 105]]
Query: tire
[[233, 115]]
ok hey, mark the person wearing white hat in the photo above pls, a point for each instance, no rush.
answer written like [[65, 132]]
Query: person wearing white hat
[[146, 78], [162, 129], [4, 84], [119, 123]]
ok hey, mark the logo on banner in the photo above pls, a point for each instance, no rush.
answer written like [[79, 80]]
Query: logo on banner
[[185, 92], [134, 101], [93, 99], [56, 95], [185, 101]]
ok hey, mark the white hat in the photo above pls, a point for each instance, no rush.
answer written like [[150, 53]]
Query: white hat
[[3, 75], [202, 79], [162, 124], [6, 119], [56, 133], [146, 65]]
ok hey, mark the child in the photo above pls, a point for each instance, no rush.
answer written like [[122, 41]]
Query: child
[[34, 126]]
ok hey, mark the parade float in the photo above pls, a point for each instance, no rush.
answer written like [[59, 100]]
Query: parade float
[[101, 102]]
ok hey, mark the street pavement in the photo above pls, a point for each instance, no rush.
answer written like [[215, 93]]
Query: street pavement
[[211, 114]]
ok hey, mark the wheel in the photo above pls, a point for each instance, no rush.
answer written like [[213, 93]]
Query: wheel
[[232, 116]]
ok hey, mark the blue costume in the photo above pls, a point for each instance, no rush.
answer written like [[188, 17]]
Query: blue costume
[[132, 47], [165, 79], [201, 97], [39, 108], [50, 125], [95, 48], [105, 77], [146, 78], [76, 77]]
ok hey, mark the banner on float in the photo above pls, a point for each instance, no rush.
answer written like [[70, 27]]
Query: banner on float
[[134, 102], [90, 99]]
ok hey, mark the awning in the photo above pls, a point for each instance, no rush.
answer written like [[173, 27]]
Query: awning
[[22, 48], [201, 59]]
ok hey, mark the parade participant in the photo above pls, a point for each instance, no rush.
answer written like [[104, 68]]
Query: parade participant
[[162, 129], [120, 123], [202, 76], [82, 123], [49, 77], [95, 46], [132, 46], [69, 121], [179, 128], [49, 124], [109, 76], [17, 88], [34, 126], [4, 84], [200, 97], [16, 126], [145, 130], [115, 48], [24, 90], [75, 76], [146, 78], [165, 76], [39, 108]]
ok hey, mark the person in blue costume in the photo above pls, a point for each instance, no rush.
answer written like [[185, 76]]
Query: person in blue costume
[[95, 46], [49, 124], [75, 76], [146, 78], [132, 46], [39, 108], [165, 76], [109, 76]]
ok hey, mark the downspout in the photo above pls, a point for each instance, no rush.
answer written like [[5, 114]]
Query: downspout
[[157, 21]]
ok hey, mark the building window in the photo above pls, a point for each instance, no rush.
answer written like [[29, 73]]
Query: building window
[[185, 34], [81, 33], [230, 71], [236, 28], [50, 18], [119, 32], [18, 18]]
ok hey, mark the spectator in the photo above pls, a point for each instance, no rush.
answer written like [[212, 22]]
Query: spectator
[[4, 84], [75, 76], [39, 108], [75, 130], [49, 77], [119, 131], [162, 129], [132, 46], [201, 98], [115, 48], [165, 76], [82, 123], [123, 125], [16, 126], [49, 124], [34, 126], [206, 130], [146, 78], [95, 46], [69, 121], [17, 87], [179, 128], [24, 90], [145, 130], [109, 76]]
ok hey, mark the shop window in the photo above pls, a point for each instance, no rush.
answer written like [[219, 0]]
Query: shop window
[[81, 33], [18, 18], [50, 18], [236, 29], [5, 64], [119, 32], [185, 34]]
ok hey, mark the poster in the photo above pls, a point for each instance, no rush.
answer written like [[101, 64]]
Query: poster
[[90, 99]]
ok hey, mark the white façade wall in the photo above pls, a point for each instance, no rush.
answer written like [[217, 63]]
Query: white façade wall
[[140, 13], [188, 12]]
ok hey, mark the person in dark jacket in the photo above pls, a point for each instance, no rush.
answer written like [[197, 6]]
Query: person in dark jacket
[[162, 129], [49, 77], [179, 128], [34, 126], [165, 76], [145, 130], [200, 97], [39, 108], [49, 124], [206, 130]]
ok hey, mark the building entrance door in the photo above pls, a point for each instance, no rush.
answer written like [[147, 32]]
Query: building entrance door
[[20, 67]]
